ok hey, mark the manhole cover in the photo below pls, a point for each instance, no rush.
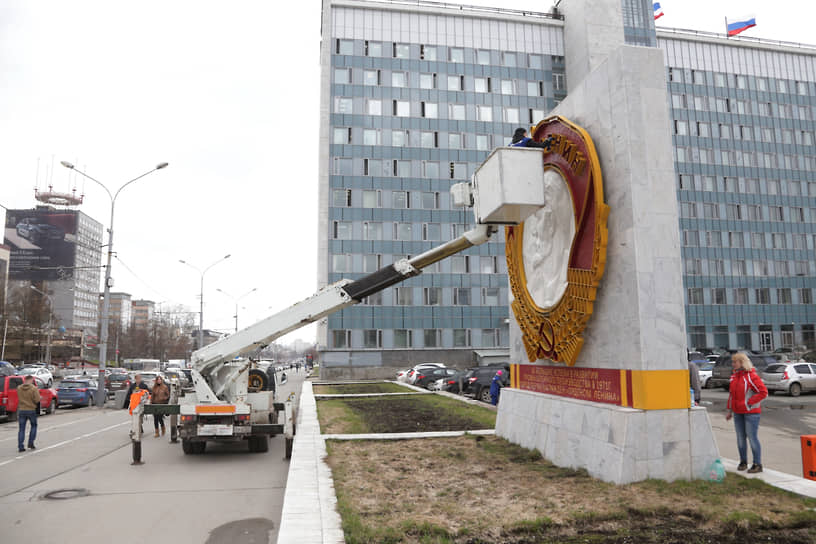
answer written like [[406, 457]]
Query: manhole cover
[[62, 494]]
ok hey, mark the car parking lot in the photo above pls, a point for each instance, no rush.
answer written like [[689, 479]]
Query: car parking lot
[[473, 382]]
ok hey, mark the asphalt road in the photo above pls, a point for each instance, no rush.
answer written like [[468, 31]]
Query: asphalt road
[[224, 496], [784, 419]]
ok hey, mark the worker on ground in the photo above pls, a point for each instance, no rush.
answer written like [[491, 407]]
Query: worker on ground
[[28, 406], [160, 395], [520, 139], [495, 388]]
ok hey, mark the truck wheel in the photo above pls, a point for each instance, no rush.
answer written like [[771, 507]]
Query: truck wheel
[[186, 446], [258, 379], [289, 443], [199, 447], [259, 444]]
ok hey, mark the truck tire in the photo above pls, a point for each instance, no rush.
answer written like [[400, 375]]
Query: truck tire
[[259, 444], [258, 379], [199, 447], [186, 446], [289, 443]]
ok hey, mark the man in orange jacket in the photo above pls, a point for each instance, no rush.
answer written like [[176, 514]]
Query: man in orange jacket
[[745, 392]]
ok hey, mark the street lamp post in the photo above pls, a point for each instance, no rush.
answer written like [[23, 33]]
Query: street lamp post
[[103, 335], [50, 317], [201, 296], [236, 302]]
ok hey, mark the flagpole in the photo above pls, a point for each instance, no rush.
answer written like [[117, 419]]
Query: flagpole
[[726, 27]]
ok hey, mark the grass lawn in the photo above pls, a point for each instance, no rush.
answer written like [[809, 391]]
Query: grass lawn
[[357, 388]]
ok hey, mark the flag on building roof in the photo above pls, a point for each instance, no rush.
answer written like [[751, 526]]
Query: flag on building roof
[[658, 11], [735, 25]]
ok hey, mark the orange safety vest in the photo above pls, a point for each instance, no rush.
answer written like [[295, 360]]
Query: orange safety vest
[[136, 398]]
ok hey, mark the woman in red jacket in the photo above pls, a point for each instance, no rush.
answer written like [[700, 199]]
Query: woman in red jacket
[[745, 392]]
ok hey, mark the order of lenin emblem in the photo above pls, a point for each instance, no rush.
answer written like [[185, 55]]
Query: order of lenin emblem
[[556, 258]]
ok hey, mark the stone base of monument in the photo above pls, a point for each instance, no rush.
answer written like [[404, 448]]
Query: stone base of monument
[[613, 443]]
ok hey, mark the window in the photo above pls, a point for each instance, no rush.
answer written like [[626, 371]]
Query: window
[[341, 198], [691, 238], [428, 139], [693, 267], [535, 88], [711, 211], [341, 263], [458, 170], [487, 265], [427, 52], [680, 128], [461, 338], [373, 107], [716, 267], [456, 83], [781, 268], [508, 86], [456, 54], [402, 169], [511, 115], [535, 62], [431, 231], [460, 264], [758, 240], [741, 295], [688, 209], [763, 295], [461, 296], [401, 199], [718, 295], [713, 238], [735, 239], [558, 82], [695, 295], [374, 299], [482, 57], [371, 77], [456, 111], [372, 338], [404, 296], [783, 296], [739, 268], [536, 115], [779, 240], [797, 215], [341, 338], [371, 136], [805, 296], [430, 169], [432, 338], [345, 47], [801, 268], [432, 296], [482, 84], [761, 268], [402, 231], [509, 59], [490, 338], [799, 241], [343, 105], [372, 231], [490, 296], [341, 135], [341, 230], [399, 79], [427, 81], [484, 113], [342, 76], [430, 200], [430, 110], [401, 51], [372, 263], [373, 49], [342, 167], [374, 167], [401, 108], [455, 140], [483, 144]]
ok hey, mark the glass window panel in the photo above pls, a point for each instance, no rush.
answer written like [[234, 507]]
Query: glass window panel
[[490, 296], [431, 169], [433, 296], [456, 54], [430, 110], [402, 108], [343, 105], [341, 263], [373, 49], [483, 144], [427, 139], [343, 167], [399, 199], [430, 201], [432, 232], [341, 135], [461, 338], [399, 79], [372, 231], [403, 232], [402, 338], [404, 296], [483, 57], [371, 136], [455, 141], [457, 111], [428, 52], [461, 296], [402, 51], [372, 263], [507, 86], [374, 107], [536, 62], [481, 85], [371, 339], [454, 83], [427, 81], [342, 76], [431, 337], [485, 113], [371, 77], [345, 47], [511, 115], [509, 59]]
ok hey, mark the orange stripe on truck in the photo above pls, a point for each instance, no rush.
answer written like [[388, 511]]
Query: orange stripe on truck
[[215, 409]]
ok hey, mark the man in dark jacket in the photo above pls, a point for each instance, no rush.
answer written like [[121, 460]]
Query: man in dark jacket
[[28, 405], [520, 139], [137, 384], [495, 388]]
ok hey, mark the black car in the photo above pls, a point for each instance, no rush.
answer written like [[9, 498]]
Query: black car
[[477, 380], [452, 383], [427, 376], [721, 373]]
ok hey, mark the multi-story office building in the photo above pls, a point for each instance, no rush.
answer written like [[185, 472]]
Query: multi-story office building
[[415, 96], [121, 309], [142, 312]]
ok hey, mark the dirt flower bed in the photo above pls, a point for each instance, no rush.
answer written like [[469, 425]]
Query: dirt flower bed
[[360, 388], [474, 490], [398, 414]]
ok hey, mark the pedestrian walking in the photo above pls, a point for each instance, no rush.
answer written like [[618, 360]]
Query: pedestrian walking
[[694, 381], [160, 395], [28, 406], [745, 393], [495, 388]]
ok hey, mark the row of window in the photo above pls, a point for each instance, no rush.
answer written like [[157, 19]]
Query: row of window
[[740, 267], [405, 338], [428, 139], [457, 264], [343, 166], [742, 295], [373, 198], [722, 104], [747, 212], [398, 50], [430, 110], [452, 82], [755, 159], [739, 81], [755, 240], [729, 184], [744, 336], [434, 296], [727, 131]]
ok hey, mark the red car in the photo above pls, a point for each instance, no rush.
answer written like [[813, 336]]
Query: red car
[[8, 397]]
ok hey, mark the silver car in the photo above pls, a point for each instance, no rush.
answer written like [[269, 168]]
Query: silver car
[[792, 378]]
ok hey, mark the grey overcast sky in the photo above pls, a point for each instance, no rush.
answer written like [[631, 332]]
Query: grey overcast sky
[[228, 94]]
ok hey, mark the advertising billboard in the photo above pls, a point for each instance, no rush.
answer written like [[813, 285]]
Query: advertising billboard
[[42, 242]]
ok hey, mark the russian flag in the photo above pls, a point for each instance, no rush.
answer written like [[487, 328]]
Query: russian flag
[[734, 26], [658, 11]]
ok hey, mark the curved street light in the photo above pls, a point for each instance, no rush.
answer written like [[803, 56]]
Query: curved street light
[[235, 300], [201, 295], [103, 334]]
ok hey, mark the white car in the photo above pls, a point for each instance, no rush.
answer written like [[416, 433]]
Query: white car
[[40, 373], [705, 373], [413, 375], [402, 375]]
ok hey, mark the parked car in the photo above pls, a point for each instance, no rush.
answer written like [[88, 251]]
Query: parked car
[[705, 369], [721, 373], [477, 380], [77, 392], [792, 378], [427, 376], [412, 374], [184, 382], [115, 382], [149, 377], [8, 396], [7, 369], [402, 375], [40, 373], [451, 383]]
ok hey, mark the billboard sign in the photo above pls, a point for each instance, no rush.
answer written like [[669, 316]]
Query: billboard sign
[[42, 242]]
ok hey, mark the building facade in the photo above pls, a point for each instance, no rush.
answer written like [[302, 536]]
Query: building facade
[[142, 313], [121, 310], [415, 96]]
